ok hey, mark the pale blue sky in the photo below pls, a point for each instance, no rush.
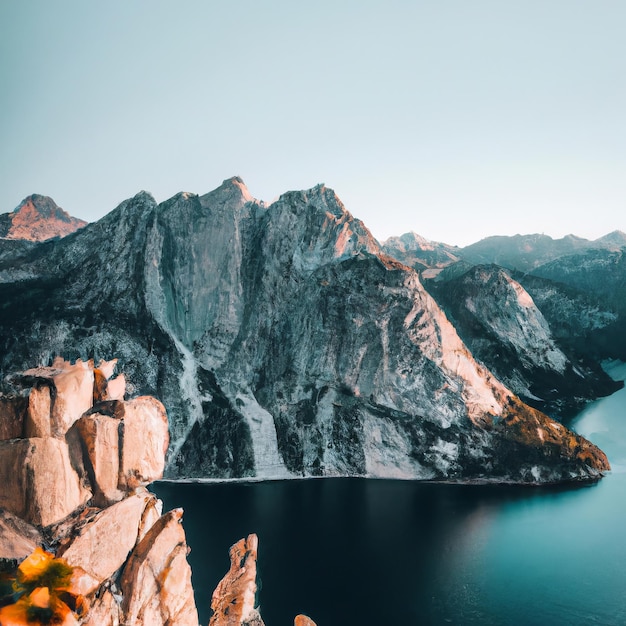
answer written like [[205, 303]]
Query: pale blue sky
[[458, 119]]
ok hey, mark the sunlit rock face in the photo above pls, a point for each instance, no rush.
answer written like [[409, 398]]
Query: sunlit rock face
[[156, 582], [281, 339], [81, 493], [38, 218], [501, 324], [39, 483], [233, 601]]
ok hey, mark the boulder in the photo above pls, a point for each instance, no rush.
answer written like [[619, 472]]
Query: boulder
[[37, 423], [124, 445], [145, 441], [17, 538], [233, 598], [73, 390], [106, 387], [12, 415], [100, 436], [150, 516], [102, 544], [39, 483], [156, 582], [303, 620]]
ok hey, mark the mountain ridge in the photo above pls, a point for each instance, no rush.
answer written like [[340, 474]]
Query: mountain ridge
[[283, 341]]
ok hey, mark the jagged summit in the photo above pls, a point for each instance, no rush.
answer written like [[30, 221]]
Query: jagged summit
[[232, 191], [420, 253], [38, 218]]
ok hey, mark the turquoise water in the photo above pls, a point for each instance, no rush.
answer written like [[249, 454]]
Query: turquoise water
[[360, 552]]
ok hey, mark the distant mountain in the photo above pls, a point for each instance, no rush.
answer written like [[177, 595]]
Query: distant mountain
[[38, 218], [612, 241], [282, 340], [526, 252], [419, 253], [578, 285], [599, 274], [503, 327]]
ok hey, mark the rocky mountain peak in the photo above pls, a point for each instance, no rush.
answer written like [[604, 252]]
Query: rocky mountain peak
[[420, 253], [38, 218], [409, 241], [321, 229], [320, 197], [232, 192]]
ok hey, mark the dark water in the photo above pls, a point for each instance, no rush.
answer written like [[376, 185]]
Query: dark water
[[352, 552]]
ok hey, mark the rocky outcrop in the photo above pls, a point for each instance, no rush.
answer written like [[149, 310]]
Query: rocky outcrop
[[79, 488], [60, 394], [17, 538], [281, 339], [40, 485], [233, 601], [38, 218], [156, 581]]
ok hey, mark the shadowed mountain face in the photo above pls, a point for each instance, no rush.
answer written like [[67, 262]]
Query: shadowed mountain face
[[282, 341], [505, 329], [38, 218], [600, 276]]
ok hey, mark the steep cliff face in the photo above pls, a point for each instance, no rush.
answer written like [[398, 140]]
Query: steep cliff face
[[281, 339], [38, 218], [503, 327]]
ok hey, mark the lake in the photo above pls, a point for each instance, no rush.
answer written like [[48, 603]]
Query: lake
[[356, 552]]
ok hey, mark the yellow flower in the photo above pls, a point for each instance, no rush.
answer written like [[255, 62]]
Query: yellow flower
[[41, 569], [40, 608], [42, 582]]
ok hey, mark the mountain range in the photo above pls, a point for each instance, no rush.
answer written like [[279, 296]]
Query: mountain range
[[285, 341]]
